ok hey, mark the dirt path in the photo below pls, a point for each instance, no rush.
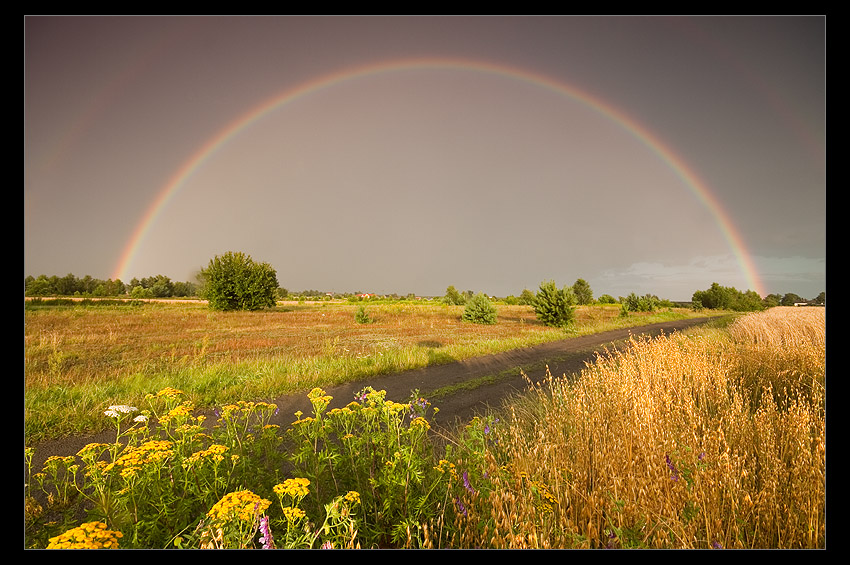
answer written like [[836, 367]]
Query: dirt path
[[562, 357]]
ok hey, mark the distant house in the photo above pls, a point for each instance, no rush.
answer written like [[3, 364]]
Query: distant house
[[365, 296]]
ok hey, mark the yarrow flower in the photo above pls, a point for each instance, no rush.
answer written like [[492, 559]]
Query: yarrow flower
[[119, 410]]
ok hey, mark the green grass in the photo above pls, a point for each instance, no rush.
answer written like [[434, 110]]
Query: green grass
[[80, 359]]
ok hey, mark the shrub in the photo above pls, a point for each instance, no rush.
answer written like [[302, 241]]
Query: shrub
[[645, 303], [361, 317], [235, 282], [479, 310], [554, 307]]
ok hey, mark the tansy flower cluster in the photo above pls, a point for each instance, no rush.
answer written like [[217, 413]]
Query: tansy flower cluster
[[229, 410], [319, 399], [214, 453], [134, 458], [91, 535], [179, 412], [169, 392], [294, 488], [420, 422], [243, 505], [352, 497], [445, 466]]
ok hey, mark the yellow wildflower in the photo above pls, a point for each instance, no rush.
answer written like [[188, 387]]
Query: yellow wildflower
[[292, 513], [91, 535], [319, 399], [420, 422], [169, 392], [352, 497], [447, 467], [239, 505], [92, 450], [214, 453], [296, 488], [179, 412]]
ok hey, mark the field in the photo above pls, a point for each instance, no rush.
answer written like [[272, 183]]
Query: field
[[79, 360], [712, 438]]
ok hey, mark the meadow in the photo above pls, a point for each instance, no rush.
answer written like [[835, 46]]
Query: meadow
[[710, 438], [79, 359]]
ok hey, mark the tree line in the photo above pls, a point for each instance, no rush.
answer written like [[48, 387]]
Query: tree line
[[159, 286], [235, 281]]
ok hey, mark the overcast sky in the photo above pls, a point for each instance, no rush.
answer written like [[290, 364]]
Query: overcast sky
[[642, 154]]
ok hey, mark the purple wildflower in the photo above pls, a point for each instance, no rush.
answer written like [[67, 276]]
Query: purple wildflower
[[266, 534], [716, 545], [466, 482], [460, 506], [673, 472]]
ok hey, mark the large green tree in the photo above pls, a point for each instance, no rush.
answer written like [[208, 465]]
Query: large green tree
[[234, 281], [583, 292]]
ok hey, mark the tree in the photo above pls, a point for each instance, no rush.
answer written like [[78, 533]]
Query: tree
[[584, 295], [554, 307], [235, 282], [527, 298], [719, 297], [479, 310], [453, 297]]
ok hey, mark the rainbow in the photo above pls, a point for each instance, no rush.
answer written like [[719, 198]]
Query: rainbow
[[676, 164]]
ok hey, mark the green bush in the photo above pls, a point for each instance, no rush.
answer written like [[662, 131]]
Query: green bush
[[554, 307], [645, 303], [235, 282], [479, 310], [361, 317]]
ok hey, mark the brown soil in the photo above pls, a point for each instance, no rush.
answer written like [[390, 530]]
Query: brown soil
[[565, 357]]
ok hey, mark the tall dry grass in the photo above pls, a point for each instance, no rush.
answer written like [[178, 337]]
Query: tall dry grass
[[712, 439]]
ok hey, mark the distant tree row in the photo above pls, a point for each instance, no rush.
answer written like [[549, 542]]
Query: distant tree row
[[719, 297], [159, 286]]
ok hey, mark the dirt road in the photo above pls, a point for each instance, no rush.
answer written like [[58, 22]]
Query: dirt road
[[562, 357]]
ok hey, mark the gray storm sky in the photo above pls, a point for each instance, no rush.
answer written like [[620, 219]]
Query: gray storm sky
[[420, 178]]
